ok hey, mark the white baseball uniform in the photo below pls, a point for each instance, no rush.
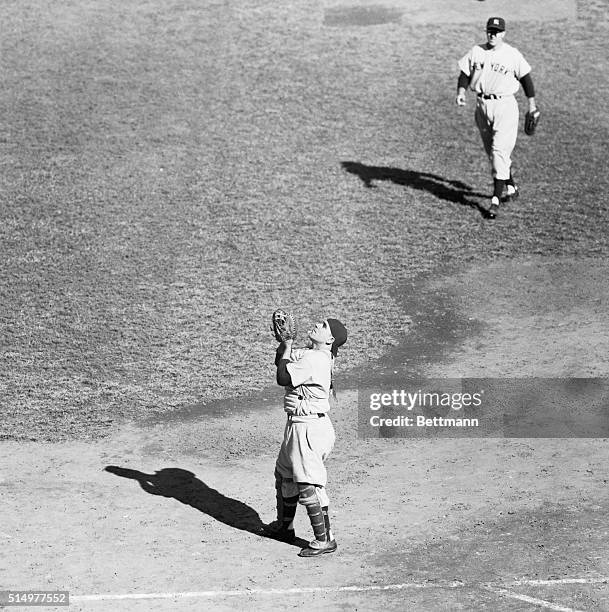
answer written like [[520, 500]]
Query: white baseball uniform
[[309, 434], [494, 76]]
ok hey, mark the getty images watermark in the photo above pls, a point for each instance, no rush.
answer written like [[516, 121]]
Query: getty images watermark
[[477, 407]]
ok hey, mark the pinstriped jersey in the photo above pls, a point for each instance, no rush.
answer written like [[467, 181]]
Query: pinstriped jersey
[[494, 71]]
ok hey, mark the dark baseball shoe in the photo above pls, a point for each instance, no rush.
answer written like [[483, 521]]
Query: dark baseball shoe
[[512, 193], [494, 209], [277, 531], [317, 548]]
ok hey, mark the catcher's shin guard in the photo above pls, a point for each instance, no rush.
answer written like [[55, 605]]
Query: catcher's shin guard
[[286, 505], [308, 497], [326, 516], [321, 547]]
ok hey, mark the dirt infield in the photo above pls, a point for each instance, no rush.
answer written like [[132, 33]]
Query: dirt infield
[[425, 12], [171, 173], [170, 512]]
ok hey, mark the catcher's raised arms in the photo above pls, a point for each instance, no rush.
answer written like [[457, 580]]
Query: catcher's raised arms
[[283, 326], [531, 119]]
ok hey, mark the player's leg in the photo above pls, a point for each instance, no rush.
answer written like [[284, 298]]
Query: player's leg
[[513, 191], [287, 500], [308, 497], [286, 493], [313, 441], [324, 500], [311, 444], [484, 117], [485, 127], [492, 109], [314, 499], [498, 187], [504, 141]]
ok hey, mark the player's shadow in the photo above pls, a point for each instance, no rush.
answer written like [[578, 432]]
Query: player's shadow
[[442, 188], [183, 486]]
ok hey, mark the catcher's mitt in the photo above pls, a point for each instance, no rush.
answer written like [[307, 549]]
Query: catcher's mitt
[[283, 325], [531, 119]]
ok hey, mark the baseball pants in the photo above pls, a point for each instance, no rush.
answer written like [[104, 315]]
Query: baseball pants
[[307, 443], [497, 121]]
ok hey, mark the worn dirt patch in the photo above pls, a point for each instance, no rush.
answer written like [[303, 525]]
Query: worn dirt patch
[[169, 507], [538, 317], [423, 12]]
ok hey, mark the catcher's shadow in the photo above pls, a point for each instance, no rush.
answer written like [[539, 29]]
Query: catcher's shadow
[[444, 189], [183, 486]]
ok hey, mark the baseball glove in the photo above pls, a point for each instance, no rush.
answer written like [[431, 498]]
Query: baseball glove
[[531, 119], [283, 325]]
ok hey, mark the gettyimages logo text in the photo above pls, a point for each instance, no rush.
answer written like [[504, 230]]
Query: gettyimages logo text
[[424, 399]]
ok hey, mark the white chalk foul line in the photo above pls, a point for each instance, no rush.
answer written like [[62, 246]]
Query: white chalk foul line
[[557, 581], [292, 591], [532, 600], [354, 589]]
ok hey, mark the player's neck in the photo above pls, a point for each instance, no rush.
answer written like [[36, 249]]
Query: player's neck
[[320, 346], [495, 47]]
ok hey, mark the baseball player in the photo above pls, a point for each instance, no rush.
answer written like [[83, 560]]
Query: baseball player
[[495, 70], [300, 473]]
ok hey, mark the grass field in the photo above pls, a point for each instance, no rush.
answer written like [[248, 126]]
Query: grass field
[[172, 172]]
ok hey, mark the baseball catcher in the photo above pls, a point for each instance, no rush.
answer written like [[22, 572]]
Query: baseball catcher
[[300, 472]]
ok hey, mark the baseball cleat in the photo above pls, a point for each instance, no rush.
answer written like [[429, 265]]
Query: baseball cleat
[[494, 209], [277, 531], [317, 548], [512, 193]]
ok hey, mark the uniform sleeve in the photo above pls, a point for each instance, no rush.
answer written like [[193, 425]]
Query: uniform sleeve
[[465, 63], [300, 370], [522, 67], [297, 354], [527, 84]]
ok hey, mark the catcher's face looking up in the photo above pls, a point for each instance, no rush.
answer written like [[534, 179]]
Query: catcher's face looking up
[[321, 333], [329, 333]]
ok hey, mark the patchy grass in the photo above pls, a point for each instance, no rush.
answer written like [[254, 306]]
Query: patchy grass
[[173, 172]]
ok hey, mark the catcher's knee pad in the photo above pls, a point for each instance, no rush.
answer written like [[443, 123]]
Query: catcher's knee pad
[[313, 494], [286, 487], [307, 495]]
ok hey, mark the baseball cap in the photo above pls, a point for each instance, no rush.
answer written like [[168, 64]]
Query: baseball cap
[[496, 23], [339, 331]]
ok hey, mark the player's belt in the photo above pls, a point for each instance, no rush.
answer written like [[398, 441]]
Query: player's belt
[[490, 96], [319, 415]]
